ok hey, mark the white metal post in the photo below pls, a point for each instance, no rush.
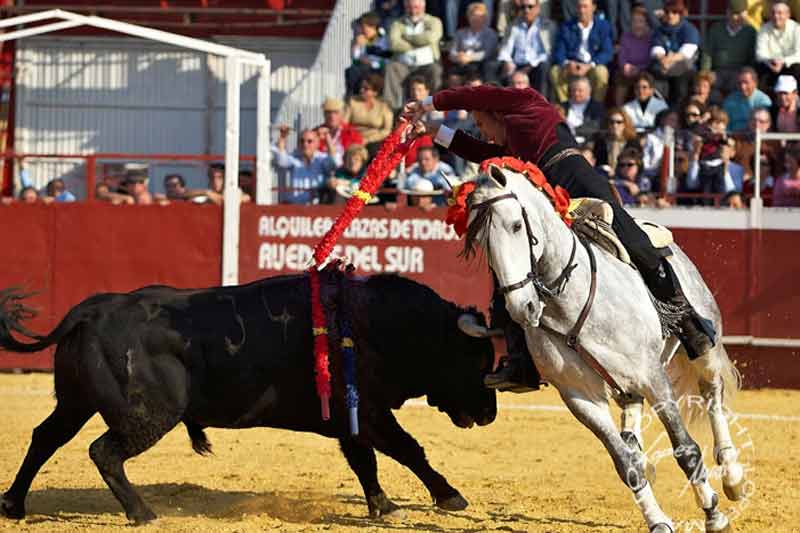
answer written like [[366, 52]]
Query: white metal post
[[265, 182], [230, 225]]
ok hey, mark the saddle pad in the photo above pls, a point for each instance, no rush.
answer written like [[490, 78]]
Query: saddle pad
[[659, 236], [592, 218]]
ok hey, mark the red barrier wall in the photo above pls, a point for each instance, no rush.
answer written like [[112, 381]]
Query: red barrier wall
[[69, 251]]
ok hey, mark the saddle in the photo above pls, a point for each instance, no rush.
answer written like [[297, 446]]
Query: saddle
[[592, 218]]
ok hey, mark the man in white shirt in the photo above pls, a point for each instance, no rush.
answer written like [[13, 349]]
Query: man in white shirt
[[778, 46], [528, 46], [583, 115]]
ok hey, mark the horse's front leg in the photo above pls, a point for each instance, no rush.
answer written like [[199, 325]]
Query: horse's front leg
[[631, 423], [629, 462], [391, 439]]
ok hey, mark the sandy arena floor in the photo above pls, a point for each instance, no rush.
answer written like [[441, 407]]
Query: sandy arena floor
[[535, 469]]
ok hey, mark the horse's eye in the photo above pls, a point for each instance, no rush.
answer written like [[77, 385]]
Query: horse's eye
[[517, 226]]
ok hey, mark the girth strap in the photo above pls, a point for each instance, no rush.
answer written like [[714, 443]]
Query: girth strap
[[572, 339]]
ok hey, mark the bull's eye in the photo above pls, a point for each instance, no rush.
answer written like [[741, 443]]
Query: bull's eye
[[517, 226]]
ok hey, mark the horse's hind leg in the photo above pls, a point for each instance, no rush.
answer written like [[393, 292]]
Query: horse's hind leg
[[687, 453], [629, 462], [725, 453], [56, 430]]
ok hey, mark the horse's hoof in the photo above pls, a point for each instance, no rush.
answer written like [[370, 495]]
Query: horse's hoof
[[662, 528], [717, 522], [736, 492], [11, 510], [727, 528], [453, 503], [379, 505]]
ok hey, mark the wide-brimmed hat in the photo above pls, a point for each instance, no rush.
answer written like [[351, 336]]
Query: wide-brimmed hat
[[422, 187]]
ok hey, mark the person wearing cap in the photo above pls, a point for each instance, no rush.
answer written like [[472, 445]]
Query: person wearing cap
[[729, 46], [429, 168], [528, 46], [674, 52], [523, 124], [778, 46], [336, 130], [739, 104], [583, 48], [784, 112]]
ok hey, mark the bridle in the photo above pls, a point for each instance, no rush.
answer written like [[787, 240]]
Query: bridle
[[556, 287], [544, 289]]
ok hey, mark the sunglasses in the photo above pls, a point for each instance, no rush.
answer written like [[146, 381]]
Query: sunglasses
[[616, 122], [692, 114], [309, 141], [626, 164], [528, 7], [673, 12]]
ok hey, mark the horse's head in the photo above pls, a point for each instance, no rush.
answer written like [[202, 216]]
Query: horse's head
[[509, 236]]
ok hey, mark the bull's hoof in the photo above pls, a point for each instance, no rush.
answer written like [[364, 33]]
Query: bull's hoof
[[662, 528], [379, 505], [142, 517], [453, 503], [10, 509]]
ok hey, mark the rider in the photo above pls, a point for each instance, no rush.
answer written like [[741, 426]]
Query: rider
[[523, 124]]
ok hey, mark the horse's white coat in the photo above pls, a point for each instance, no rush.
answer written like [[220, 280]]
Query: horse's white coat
[[622, 332]]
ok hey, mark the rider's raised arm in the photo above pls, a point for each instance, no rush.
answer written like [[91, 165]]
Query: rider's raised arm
[[486, 98], [466, 146]]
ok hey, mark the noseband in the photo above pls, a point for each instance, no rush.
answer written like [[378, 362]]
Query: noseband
[[542, 288]]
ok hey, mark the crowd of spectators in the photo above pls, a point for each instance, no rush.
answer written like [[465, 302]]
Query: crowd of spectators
[[628, 77]]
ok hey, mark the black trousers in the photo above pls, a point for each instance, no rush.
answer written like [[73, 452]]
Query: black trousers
[[574, 174]]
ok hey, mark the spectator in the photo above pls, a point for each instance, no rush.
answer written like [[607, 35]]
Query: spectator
[[418, 89], [370, 50], [247, 183], [338, 131], [429, 168], [674, 52], [787, 188], [760, 120], [28, 195], [729, 46], [475, 44], [634, 188], [346, 178], [56, 191], [421, 194], [693, 122], [666, 121], [370, 115], [112, 190], [785, 113], [712, 169], [778, 46], [768, 167], [634, 54], [583, 48], [519, 80], [136, 185], [702, 89], [309, 169], [528, 46], [643, 109], [617, 135], [583, 115], [738, 105], [414, 43], [175, 187], [618, 13]]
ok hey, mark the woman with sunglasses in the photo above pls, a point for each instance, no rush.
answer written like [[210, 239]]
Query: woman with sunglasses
[[617, 134], [634, 188], [523, 124]]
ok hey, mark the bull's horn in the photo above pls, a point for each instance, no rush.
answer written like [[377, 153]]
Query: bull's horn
[[469, 325]]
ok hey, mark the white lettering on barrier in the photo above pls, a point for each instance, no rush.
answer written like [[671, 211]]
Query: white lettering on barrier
[[295, 256], [425, 229]]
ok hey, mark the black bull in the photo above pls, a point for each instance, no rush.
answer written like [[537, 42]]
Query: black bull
[[239, 357]]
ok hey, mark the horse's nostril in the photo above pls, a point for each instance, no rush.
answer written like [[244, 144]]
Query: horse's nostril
[[529, 306]]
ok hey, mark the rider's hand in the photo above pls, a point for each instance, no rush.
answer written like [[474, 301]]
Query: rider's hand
[[414, 110]]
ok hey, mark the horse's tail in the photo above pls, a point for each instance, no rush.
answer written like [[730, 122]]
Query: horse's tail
[[686, 377], [13, 313]]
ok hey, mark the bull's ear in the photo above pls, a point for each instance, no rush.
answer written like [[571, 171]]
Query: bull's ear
[[498, 176]]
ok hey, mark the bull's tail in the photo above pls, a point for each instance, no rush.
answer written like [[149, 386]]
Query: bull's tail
[[13, 313]]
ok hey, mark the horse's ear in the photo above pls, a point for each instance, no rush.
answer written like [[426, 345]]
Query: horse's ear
[[497, 175]]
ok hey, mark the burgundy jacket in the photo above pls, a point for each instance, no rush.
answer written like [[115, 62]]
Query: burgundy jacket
[[529, 118]]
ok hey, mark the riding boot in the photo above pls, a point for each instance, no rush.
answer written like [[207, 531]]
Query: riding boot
[[516, 372], [695, 332]]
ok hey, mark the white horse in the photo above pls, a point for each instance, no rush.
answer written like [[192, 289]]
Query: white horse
[[529, 248]]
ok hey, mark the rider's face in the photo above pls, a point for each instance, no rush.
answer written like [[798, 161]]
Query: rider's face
[[492, 129]]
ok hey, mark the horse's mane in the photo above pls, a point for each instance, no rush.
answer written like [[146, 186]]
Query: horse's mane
[[483, 219]]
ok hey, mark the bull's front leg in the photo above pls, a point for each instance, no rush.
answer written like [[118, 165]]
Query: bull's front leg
[[391, 439], [361, 459]]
